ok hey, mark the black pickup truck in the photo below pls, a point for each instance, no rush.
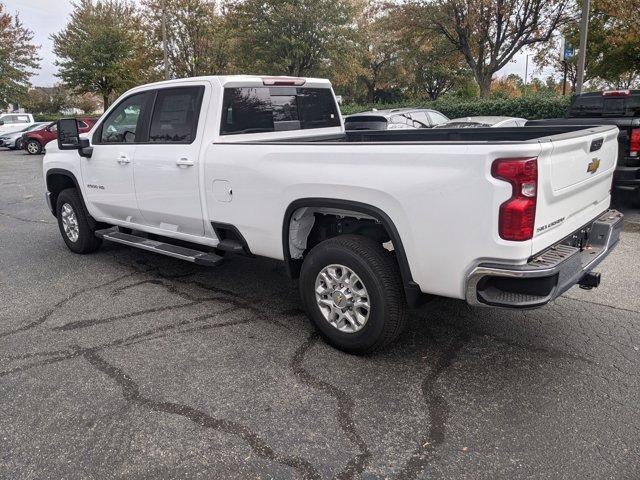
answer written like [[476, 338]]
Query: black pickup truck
[[614, 107]]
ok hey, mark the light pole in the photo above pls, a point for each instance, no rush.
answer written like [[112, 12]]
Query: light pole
[[165, 46], [582, 54], [526, 71]]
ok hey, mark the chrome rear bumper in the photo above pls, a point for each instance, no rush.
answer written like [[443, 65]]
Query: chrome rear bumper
[[550, 273]]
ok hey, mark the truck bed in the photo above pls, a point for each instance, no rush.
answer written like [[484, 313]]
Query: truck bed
[[528, 134]]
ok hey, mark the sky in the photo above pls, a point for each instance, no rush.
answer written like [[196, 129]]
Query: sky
[[45, 17]]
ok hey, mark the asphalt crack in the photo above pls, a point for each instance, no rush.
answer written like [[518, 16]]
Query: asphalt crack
[[131, 393], [44, 317], [26, 220], [346, 407], [438, 409]]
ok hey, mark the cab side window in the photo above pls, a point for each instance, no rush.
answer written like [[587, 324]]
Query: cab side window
[[123, 125], [175, 115]]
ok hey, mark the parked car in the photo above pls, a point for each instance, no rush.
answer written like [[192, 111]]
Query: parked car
[[396, 119], [484, 122], [35, 141], [262, 166], [612, 107], [10, 122], [13, 140]]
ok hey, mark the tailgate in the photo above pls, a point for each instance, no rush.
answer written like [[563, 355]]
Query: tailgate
[[575, 173]]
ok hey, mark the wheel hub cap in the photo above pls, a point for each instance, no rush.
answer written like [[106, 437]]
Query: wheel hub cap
[[70, 223], [342, 298]]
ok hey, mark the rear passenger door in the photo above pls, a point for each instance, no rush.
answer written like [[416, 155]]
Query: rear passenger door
[[167, 165]]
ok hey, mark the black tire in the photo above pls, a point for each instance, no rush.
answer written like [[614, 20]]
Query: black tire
[[380, 274], [33, 147], [86, 241]]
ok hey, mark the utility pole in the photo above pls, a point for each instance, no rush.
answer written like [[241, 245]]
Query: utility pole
[[165, 45], [526, 71], [582, 54]]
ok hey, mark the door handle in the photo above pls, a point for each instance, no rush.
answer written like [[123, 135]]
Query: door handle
[[123, 160], [185, 162]]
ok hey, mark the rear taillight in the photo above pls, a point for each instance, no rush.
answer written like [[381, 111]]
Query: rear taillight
[[518, 214], [634, 143]]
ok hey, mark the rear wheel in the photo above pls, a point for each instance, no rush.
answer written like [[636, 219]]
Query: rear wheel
[[33, 147], [76, 229], [352, 291]]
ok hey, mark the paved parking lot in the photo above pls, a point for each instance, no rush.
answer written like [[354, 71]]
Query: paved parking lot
[[124, 364]]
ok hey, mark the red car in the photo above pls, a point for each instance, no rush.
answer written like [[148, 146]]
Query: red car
[[35, 140]]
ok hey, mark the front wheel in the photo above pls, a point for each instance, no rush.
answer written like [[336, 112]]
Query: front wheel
[[352, 291], [34, 147], [75, 227]]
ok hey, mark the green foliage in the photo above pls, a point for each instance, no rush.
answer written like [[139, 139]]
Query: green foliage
[[18, 58], [47, 101], [531, 107], [103, 49], [196, 39], [293, 37], [50, 117]]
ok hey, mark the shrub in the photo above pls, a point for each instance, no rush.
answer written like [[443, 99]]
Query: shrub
[[529, 107], [48, 117]]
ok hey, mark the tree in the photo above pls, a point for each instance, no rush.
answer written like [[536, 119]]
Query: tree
[[198, 43], [377, 50], [613, 50], [103, 49], [86, 102], [48, 101], [293, 37], [18, 57], [488, 33]]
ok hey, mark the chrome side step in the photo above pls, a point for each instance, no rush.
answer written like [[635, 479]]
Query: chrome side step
[[168, 249]]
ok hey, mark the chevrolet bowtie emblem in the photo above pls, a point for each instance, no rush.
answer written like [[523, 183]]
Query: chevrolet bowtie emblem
[[593, 166]]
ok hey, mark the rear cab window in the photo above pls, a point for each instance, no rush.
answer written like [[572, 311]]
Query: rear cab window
[[599, 105], [276, 109]]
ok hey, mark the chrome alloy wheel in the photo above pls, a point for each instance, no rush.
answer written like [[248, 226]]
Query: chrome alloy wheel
[[70, 222], [342, 298]]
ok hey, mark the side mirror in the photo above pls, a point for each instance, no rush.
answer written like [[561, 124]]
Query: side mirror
[[1, 122], [69, 138], [68, 135]]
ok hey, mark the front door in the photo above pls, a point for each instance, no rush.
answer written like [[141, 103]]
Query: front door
[[166, 167], [108, 174]]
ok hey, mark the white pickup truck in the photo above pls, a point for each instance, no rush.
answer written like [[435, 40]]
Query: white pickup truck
[[367, 221]]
